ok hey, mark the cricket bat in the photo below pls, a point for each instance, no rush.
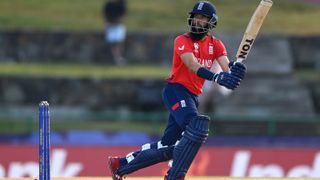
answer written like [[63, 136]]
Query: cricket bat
[[253, 28]]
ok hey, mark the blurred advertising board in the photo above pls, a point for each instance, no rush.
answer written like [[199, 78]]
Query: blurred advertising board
[[72, 161]]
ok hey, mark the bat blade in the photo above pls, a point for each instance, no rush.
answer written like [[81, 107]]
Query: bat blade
[[252, 29]]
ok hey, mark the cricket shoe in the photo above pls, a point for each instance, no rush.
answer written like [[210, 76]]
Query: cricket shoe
[[114, 164], [181, 178]]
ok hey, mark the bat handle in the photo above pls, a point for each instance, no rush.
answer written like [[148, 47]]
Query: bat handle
[[239, 60]]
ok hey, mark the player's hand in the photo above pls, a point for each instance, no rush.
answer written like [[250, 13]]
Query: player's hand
[[238, 69], [227, 80]]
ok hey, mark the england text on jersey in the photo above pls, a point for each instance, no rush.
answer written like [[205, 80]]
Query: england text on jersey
[[207, 63]]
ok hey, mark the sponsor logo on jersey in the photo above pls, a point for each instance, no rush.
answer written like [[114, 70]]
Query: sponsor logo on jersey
[[196, 47], [181, 48]]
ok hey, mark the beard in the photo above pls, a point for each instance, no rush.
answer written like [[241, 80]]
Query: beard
[[196, 35]]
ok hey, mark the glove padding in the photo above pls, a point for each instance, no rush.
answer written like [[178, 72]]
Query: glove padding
[[227, 80], [238, 69]]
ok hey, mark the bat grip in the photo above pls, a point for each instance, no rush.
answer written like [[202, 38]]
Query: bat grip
[[239, 60]]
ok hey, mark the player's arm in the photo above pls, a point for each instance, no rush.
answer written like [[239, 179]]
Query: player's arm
[[190, 61], [223, 61], [222, 78]]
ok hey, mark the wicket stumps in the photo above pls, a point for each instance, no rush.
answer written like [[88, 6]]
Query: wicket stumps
[[44, 141]]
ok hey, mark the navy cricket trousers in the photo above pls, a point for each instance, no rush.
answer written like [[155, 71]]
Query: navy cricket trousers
[[183, 106]]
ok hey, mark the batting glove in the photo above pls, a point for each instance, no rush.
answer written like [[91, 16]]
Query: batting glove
[[238, 69], [227, 80]]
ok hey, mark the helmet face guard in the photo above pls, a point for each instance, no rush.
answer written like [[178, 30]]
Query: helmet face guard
[[207, 9], [194, 28]]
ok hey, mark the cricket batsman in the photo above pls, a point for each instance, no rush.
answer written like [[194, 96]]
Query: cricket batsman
[[186, 130]]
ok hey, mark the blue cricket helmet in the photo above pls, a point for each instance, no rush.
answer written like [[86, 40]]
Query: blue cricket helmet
[[205, 8]]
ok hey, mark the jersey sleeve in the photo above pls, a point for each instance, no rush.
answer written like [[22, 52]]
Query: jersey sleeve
[[181, 45], [220, 49]]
